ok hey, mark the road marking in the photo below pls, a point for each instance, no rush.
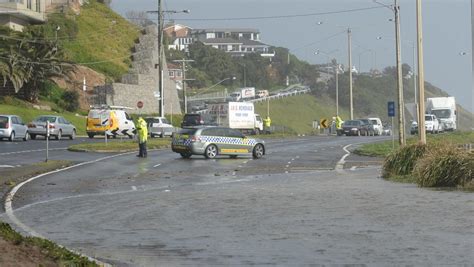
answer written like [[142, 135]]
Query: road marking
[[7, 166], [245, 162], [353, 168], [233, 174], [340, 163], [27, 229], [134, 188], [29, 151], [287, 166], [157, 165]]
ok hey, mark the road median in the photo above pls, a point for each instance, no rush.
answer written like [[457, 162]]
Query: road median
[[122, 146]]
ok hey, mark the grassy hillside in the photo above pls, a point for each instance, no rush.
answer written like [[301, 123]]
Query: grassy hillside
[[101, 36], [28, 113], [299, 112]]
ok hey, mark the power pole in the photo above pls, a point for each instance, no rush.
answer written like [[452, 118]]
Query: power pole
[[160, 59], [401, 106], [421, 74], [183, 69], [337, 89], [349, 42]]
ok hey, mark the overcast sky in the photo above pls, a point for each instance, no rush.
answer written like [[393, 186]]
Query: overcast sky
[[446, 30]]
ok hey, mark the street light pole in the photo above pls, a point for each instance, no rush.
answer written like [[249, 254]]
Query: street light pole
[[401, 109], [349, 43], [421, 75], [337, 90], [183, 70]]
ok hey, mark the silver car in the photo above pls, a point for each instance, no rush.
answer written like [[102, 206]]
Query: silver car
[[12, 127], [58, 127], [214, 141]]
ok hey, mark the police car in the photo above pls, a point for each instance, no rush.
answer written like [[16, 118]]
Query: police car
[[213, 141]]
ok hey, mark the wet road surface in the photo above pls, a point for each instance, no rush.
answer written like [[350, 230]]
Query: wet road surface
[[290, 208]]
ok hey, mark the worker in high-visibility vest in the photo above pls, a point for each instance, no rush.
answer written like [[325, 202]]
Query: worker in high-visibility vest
[[142, 137], [267, 122], [338, 122]]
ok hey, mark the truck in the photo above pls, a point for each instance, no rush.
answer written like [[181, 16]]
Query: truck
[[236, 115], [243, 94], [444, 108]]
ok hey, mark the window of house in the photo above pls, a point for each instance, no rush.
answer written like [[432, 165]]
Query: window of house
[[171, 73]]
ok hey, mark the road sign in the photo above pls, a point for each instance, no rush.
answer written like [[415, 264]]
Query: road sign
[[324, 123], [391, 108], [139, 104]]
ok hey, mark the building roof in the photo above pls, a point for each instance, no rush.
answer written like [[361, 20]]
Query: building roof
[[228, 30], [222, 41], [252, 43]]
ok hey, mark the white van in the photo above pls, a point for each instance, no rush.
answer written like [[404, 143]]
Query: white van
[[378, 127], [113, 121]]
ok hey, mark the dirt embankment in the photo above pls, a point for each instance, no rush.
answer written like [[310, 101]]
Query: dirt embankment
[[75, 81]]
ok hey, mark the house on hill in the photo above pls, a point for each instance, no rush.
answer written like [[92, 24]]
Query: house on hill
[[17, 14], [236, 41]]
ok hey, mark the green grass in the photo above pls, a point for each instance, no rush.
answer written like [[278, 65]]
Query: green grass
[[28, 113], [383, 149], [298, 112], [59, 254], [120, 146], [102, 35]]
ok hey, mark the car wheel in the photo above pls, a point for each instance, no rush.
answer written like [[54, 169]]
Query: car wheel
[[257, 131], [27, 136], [211, 151], [12, 137], [258, 151], [152, 135], [90, 135], [60, 135], [33, 136], [185, 155], [73, 135]]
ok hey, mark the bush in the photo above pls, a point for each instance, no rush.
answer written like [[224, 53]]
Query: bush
[[402, 161], [70, 100], [443, 166]]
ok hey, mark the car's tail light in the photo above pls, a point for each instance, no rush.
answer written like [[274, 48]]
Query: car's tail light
[[195, 139], [7, 125], [201, 122]]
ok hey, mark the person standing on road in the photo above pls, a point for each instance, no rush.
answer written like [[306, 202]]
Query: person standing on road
[[142, 137], [267, 122]]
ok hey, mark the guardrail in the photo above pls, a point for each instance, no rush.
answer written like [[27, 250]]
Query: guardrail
[[298, 89]]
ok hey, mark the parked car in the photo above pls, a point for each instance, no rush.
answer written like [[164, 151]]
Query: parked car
[[159, 126], [214, 141], [12, 127], [58, 127], [353, 127], [377, 124], [367, 124], [193, 119]]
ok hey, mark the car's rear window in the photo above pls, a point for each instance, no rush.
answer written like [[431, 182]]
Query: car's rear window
[[46, 118], [98, 114], [3, 121], [192, 119], [187, 131]]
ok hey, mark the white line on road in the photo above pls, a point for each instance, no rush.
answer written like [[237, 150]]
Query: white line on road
[[353, 168], [134, 188], [340, 163], [7, 166], [157, 165]]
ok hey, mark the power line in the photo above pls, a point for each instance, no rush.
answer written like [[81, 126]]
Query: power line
[[282, 16], [319, 41]]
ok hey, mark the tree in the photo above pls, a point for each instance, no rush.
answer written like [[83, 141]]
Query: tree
[[28, 59]]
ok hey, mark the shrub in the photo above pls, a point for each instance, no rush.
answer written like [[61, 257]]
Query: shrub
[[403, 160], [70, 100], [445, 165]]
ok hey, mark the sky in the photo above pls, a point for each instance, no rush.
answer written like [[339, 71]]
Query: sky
[[446, 32]]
